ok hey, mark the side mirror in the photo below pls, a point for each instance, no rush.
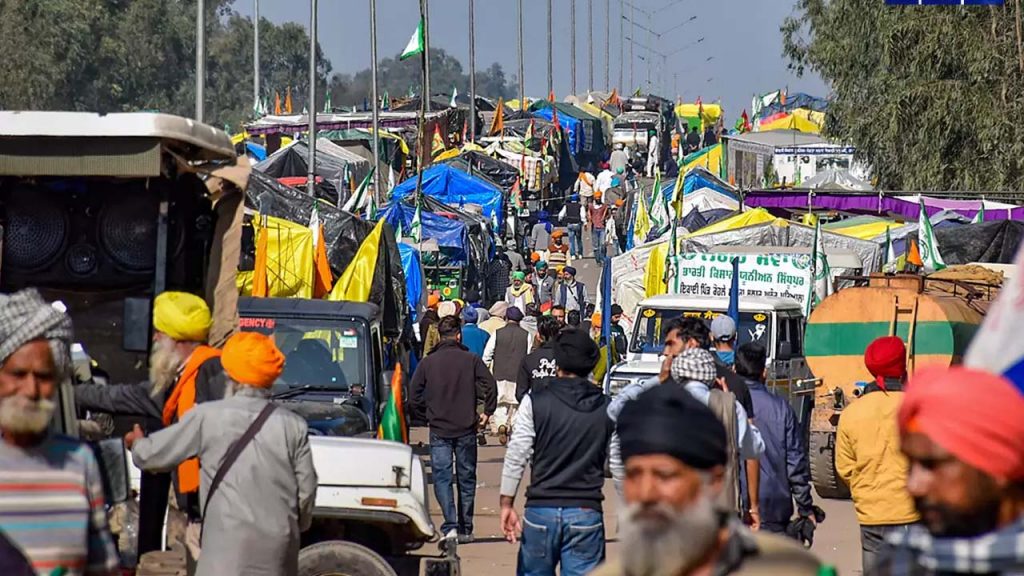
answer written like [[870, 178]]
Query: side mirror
[[113, 462], [785, 351]]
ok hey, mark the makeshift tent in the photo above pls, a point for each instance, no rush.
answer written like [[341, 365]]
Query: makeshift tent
[[455, 188], [572, 126], [833, 179], [852, 221], [794, 101], [450, 234], [868, 231], [905, 206], [741, 220], [496, 171], [709, 158], [415, 282], [343, 233], [800, 119], [993, 242], [333, 164], [690, 115], [594, 146]]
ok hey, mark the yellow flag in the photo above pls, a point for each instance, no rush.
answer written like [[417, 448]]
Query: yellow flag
[[357, 279], [259, 273]]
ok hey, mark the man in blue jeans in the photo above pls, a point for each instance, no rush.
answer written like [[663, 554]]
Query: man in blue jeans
[[457, 393], [574, 216], [562, 431]]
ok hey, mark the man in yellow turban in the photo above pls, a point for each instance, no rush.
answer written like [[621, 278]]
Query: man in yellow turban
[[272, 478], [183, 372]]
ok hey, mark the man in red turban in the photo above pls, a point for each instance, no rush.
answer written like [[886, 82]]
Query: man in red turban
[[868, 455], [962, 431]]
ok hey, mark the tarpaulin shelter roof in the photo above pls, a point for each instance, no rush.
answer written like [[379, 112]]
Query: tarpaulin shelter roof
[[415, 282], [852, 221], [495, 170], [331, 164], [343, 234], [709, 158], [573, 128], [868, 231], [794, 101], [833, 179], [299, 123], [712, 112], [455, 188], [448, 232], [698, 179], [905, 206], [593, 127], [800, 119], [995, 242], [776, 138], [741, 220]]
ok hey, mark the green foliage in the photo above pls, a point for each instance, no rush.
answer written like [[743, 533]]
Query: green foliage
[[931, 97], [130, 55]]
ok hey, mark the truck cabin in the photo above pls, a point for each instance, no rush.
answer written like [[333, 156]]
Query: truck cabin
[[334, 373]]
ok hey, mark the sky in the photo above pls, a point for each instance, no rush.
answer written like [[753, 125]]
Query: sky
[[741, 38]]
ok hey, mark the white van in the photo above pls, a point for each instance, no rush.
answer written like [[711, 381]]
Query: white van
[[775, 323]]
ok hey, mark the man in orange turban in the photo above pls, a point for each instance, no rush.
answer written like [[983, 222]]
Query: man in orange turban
[[271, 479]]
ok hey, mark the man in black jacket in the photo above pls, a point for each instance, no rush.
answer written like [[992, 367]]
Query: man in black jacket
[[539, 365], [457, 393], [566, 428]]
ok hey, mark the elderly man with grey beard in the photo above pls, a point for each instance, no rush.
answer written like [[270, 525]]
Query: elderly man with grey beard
[[675, 452], [46, 481]]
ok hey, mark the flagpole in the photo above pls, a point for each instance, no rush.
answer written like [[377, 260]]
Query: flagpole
[[200, 58], [551, 69], [256, 56], [376, 103], [590, 44], [622, 49], [423, 107], [425, 15], [522, 79], [311, 107], [472, 74], [572, 40], [632, 34]]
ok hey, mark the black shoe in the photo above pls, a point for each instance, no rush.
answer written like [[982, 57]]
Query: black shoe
[[466, 538]]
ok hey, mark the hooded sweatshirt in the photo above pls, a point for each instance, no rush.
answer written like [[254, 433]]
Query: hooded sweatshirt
[[566, 428]]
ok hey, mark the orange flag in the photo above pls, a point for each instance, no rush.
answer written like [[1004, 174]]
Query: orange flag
[[914, 254], [551, 96], [498, 124], [288, 101], [277, 103], [323, 279], [259, 272]]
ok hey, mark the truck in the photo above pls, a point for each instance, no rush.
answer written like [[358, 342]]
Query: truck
[[640, 116], [775, 323], [102, 212], [936, 318]]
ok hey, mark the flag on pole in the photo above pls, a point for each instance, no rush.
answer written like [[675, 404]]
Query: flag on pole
[[358, 198], [889, 266], [641, 225], [323, 278], [517, 194], [997, 346], [288, 101], [979, 217], [355, 282], [498, 123], [606, 316], [658, 208], [551, 96], [416, 43], [437, 142], [385, 102], [416, 230], [465, 130], [528, 141], [260, 280], [931, 259], [820, 275], [371, 209], [277, 103], [392, 422], [328, 108], [734, 292], [455, 96]]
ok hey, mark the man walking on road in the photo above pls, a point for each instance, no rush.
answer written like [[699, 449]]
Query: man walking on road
[[961, 429], [598, 218], [539, 366], [653, 154], [562, 432], [570, 293], [574, 217], [785, 472], [676, 452], [504, 354], [868, 454], [271, 479], [473, 337], [457, 393]]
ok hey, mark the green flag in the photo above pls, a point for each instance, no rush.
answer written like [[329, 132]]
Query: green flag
[[931, 259], [328, 108], [415, 45], [416, 230], [889, 266], [820, 274], [980, 216], [392, 420], [355, 203]]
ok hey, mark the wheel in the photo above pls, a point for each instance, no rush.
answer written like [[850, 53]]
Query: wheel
[[826, 480], [338, 558]]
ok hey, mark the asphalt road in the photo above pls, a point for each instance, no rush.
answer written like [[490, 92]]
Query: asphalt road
[[837, 540]]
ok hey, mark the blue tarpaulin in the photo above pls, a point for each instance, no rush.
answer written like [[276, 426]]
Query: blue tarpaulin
[[571, 125], [697, 179], [449, 233], [455, 188], [415, 282], [256, 151]]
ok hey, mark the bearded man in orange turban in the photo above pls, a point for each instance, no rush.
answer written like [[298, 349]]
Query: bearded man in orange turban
[[256, 463]]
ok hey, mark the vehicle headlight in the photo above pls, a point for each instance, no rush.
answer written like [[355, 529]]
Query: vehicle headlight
[[615, 385]]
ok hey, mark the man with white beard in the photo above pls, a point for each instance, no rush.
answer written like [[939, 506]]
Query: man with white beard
[[183, 372], [46, 481], [675, 452]]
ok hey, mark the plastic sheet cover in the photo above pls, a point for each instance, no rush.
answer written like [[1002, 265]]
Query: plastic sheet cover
[[991, 242], [496, 171], [343, 233], [455, 188], [415, 283], [449, 233], [331, 161]]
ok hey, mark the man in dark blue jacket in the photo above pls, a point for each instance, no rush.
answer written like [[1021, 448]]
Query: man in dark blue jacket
[[785, 472]]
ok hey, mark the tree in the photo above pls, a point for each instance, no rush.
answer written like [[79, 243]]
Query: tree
[[930, 97]]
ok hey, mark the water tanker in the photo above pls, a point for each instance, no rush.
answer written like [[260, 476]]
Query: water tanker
[[936, 318]]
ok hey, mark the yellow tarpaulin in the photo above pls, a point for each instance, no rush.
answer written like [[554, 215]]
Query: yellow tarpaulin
[[741, 220], [654, 274], [800, 119], [289, 261], [595, 111], [449, 153], [357, 279], [710, 160], [712, 112], [868, 231]]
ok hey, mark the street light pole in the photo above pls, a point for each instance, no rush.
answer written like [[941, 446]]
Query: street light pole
[[376, 103], [607, 44], [622, 47], [632, 34], [590, 42], [551, 67], [311, 106], [572, 40], [426, 52], [472, 73], [522, 79], [200, 58], [256, 58]]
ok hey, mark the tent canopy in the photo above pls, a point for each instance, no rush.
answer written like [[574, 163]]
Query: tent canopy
[[832, 179], [741, 220], [905, 206], [449, 233], [495, 170], [331, 164], [455, 188]]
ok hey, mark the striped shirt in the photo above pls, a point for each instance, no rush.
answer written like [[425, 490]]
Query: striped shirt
[[51, 507]]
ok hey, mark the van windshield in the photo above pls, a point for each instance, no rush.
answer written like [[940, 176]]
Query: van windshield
[[321, 353], [648, 334]]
